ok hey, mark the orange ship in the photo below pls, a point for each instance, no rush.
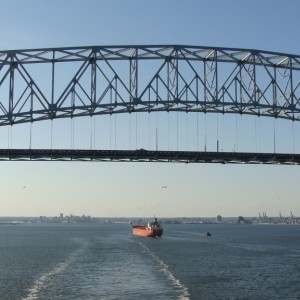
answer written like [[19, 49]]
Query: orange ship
[[153, 229]]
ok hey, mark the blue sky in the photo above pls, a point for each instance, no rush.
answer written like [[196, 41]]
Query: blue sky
[[134, 189]]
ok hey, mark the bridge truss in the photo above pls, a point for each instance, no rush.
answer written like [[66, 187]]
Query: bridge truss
[[41, 84], [48, 84]]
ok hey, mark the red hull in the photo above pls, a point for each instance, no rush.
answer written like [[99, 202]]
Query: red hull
[[146, 232]]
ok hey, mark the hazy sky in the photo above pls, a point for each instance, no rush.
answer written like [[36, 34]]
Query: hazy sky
[[134, 189]]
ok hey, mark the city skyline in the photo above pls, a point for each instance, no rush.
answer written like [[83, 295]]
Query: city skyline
[[134, 189]]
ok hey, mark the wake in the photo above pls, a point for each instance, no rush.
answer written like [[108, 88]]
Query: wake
[[181, 289], [46, 279]]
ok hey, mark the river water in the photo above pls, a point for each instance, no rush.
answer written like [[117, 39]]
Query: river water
[[104, 261]]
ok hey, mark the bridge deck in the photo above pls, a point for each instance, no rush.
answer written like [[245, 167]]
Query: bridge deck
[[142, 155]]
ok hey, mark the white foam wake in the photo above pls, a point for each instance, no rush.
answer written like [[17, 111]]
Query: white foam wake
[[180, 288], [44, 280]]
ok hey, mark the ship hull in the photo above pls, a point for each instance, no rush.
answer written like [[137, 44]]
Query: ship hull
[[146, 232]]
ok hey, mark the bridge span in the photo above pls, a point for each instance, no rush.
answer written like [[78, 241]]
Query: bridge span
[[143, 155], [64, 83]]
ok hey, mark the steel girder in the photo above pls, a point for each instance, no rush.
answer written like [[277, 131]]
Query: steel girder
[[41, 84], [148, 156]]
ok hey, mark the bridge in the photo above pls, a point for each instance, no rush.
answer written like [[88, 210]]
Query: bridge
[[40, 85]]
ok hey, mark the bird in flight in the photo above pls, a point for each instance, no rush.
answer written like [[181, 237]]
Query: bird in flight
[[164, 187]]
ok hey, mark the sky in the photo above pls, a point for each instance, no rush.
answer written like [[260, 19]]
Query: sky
[[134, 189]]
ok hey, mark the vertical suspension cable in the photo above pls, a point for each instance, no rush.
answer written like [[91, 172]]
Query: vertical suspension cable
[[91, 134], [156, 133], [136, 130], [94, 137], [11, 136], [217, 132], [168, 130], [177, 130], [259, 146], [73, 133], [293, 137], [8, 134], [224, 139], [241, 133], [255, 128], [110, 132], [115, 131], [51, 134], [30, 136], [129, 130], [205, 140], [274, 136], [71, 137], [236, 135], [197, 116], [116, 100], [149, 129], [187, 131]]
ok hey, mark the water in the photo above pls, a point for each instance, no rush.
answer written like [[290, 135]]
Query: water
[[72, 261]]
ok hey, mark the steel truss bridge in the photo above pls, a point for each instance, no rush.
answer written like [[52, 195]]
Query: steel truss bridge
[[48, 84]]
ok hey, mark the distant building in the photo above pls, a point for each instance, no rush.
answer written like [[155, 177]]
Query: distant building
[[242, 220]]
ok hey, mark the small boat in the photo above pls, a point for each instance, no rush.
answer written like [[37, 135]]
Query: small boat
[[207, 233], [153, 229]]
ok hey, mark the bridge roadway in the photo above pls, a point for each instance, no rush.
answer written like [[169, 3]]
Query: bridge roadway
[[142, 155]]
